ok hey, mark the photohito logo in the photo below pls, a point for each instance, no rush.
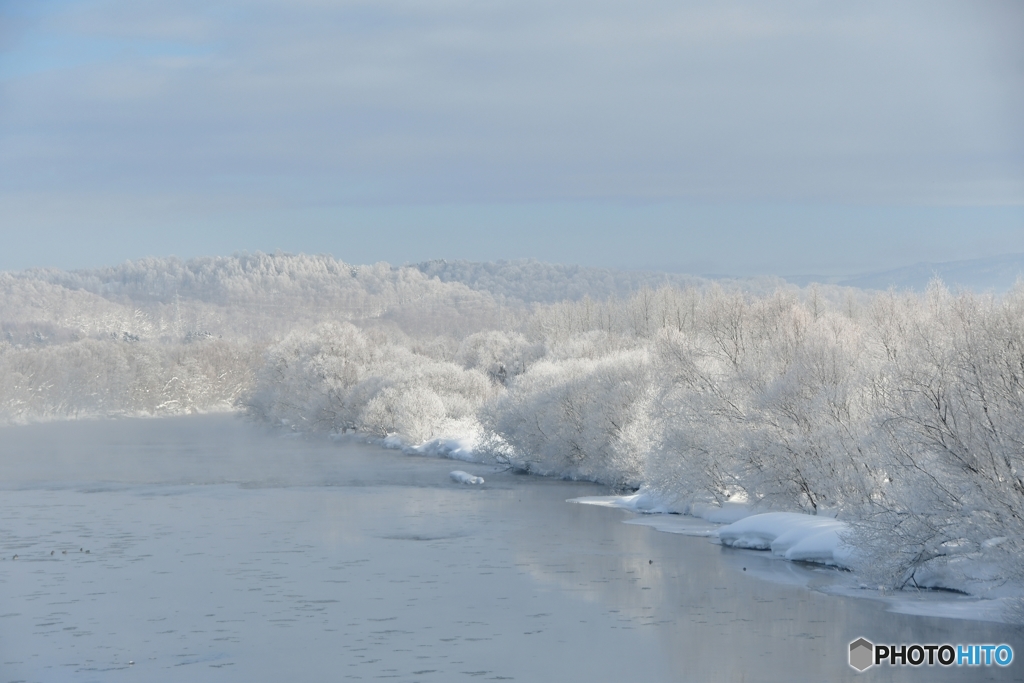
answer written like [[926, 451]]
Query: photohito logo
[[864, 653]]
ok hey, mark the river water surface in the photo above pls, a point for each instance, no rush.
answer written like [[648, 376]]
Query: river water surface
[[206, 549]]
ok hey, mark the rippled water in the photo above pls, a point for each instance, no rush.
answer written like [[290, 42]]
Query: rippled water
[[218, 552]]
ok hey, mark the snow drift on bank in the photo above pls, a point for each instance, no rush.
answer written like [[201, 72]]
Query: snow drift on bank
[[788, 535], [792, 535]]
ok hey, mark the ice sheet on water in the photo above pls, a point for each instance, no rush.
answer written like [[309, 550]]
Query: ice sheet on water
[[951, 607], [647, 501], [676, 524], [642, 501]]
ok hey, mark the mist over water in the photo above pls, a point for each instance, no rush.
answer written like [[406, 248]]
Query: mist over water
[[221, 551]]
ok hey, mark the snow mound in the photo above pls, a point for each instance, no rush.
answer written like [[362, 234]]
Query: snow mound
[[460, 440], [726, 513], [791, 535], [465, 477], [460, 448]]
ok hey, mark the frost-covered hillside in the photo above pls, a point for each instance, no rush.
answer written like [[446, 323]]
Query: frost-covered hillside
[[252, 296], [159, 335], [531, 281]]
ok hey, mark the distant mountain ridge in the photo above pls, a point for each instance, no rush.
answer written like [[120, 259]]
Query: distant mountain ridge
[[995, 273], [532, 281]]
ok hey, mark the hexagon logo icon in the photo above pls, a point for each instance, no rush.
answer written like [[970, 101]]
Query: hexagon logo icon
[[861, 654]]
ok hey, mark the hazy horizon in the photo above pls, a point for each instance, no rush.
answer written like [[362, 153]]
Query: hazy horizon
[[998, 273]]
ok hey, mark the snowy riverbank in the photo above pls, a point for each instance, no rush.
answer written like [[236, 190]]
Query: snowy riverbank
[[984, 594], [971, 586]]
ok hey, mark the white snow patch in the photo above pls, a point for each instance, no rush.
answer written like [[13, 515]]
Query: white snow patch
[[460, 448], [465, 477], [726, 513], [462, 441], [791, 535], [977, 574], [994, 542]]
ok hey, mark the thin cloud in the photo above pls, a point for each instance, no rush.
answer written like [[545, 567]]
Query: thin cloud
[[338, 104]]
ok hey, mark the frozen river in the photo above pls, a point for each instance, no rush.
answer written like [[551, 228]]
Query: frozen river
[[205, 549]]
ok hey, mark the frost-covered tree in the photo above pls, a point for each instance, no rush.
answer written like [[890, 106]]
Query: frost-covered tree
[[501, 355], [952, 414], [336, 377], [580, 418]]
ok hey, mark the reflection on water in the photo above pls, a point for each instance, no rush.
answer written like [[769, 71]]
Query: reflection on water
[[218, 552]]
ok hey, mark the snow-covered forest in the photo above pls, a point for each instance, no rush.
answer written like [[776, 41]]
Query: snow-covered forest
[[901, 414]]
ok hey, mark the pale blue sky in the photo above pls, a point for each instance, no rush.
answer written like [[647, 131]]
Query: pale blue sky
[[738, 138]]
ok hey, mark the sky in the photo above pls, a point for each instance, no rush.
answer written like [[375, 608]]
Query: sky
[[736, 138]]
